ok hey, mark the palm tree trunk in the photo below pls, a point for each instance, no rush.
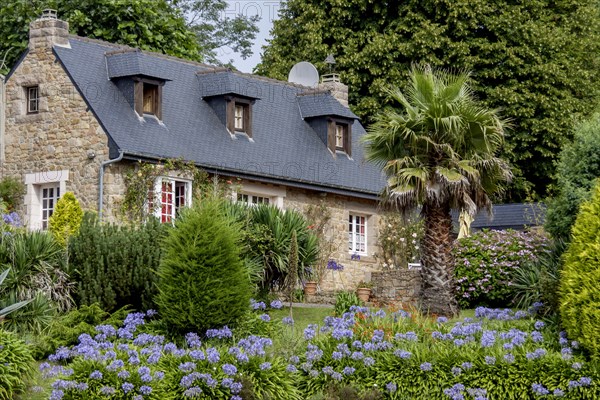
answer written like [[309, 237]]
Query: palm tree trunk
[[437, 272]]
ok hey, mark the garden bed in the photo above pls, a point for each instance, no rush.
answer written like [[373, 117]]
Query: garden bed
[[497, 354]]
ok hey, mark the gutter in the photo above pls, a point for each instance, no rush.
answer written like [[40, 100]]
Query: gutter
[[101, 182]]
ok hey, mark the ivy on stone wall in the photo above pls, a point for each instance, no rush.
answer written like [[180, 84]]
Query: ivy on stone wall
[[140, 199]]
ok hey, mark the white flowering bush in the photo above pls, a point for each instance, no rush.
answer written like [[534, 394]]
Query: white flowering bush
[[399, 240]]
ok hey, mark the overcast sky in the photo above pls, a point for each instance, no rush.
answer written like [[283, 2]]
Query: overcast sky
[[267, 11]]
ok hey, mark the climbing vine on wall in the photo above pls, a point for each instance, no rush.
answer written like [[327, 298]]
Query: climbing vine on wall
[[141, 199]]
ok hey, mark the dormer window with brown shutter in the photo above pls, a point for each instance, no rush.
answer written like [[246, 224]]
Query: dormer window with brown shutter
[[339, 136], [148, 97], [239, 115]]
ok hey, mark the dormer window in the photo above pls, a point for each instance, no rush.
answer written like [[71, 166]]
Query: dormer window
[[240, 111], [239, 115], [148, 97], [341, 131], [339, 136]]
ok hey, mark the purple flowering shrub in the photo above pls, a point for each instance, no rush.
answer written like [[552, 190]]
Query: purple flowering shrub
[[485, 265], [496, 355]]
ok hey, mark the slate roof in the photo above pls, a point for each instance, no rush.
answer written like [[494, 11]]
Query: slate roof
[[123, 63], [508, 216], [283, 149], [320, 104], [221, 82]]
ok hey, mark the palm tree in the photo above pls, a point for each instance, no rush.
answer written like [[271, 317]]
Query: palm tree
[[438, 149]]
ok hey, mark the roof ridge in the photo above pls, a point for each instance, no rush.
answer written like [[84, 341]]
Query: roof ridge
[[126, 48], [314, 92]]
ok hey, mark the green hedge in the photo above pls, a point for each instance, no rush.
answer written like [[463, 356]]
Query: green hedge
[[115, 266]]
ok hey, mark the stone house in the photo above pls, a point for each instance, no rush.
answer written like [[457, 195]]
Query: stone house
[[77, 114]]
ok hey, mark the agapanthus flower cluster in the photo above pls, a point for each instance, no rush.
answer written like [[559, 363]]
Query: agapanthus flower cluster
[[126, 363]]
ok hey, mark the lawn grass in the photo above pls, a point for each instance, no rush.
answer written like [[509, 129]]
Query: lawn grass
[[303, 316], [38, 387]]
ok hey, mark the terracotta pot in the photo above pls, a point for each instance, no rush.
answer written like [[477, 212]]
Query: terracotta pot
[[363, 294], [310, 287]]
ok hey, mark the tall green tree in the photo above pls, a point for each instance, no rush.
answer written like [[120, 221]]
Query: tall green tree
[[219, 27], [577, 171], [438, 147], [535, 59], [191, 29]]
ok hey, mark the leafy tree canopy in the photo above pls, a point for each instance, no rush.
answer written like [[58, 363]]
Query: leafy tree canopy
[[191, 29], [535, 59], [577, 171]]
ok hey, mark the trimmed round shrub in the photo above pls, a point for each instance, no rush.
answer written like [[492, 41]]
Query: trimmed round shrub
[[579, 290], [487, 261], [202, 279], [16, 365]]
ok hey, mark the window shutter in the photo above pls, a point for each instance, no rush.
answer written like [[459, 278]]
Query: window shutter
[[331, 135], [348, 140], [248, 119], [138, 97], [158, 102], [230, 116]]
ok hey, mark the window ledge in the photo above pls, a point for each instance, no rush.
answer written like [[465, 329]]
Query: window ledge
[[364, 258], [28, 118]]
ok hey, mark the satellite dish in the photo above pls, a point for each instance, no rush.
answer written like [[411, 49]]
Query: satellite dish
[[304, 73]]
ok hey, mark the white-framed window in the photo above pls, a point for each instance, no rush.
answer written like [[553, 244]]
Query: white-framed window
[[33, 99], [357, 233], [252, 199], [50, 193], [43, 191], [239, 117], [340, 136], [254, 193], [170, 196]]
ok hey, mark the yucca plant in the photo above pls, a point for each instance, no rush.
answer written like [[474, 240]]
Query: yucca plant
[[13, 306], [538, 281], [36, 261], [275, 249]]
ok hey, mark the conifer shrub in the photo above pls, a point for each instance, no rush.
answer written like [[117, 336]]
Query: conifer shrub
[[202, 279], [115, 266], [579, 290], [66, 218]]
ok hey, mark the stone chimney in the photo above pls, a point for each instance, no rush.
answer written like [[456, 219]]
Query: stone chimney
[[338, 90], [48, 31]]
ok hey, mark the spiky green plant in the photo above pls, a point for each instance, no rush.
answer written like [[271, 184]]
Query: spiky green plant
[[438, 147], [14, 306]]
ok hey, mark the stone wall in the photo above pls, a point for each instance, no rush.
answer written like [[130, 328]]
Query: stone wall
[[64, 135], [354, 270], [398, 287]]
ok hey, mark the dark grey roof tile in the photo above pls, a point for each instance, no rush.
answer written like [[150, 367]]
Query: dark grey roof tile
[[284, 146]]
